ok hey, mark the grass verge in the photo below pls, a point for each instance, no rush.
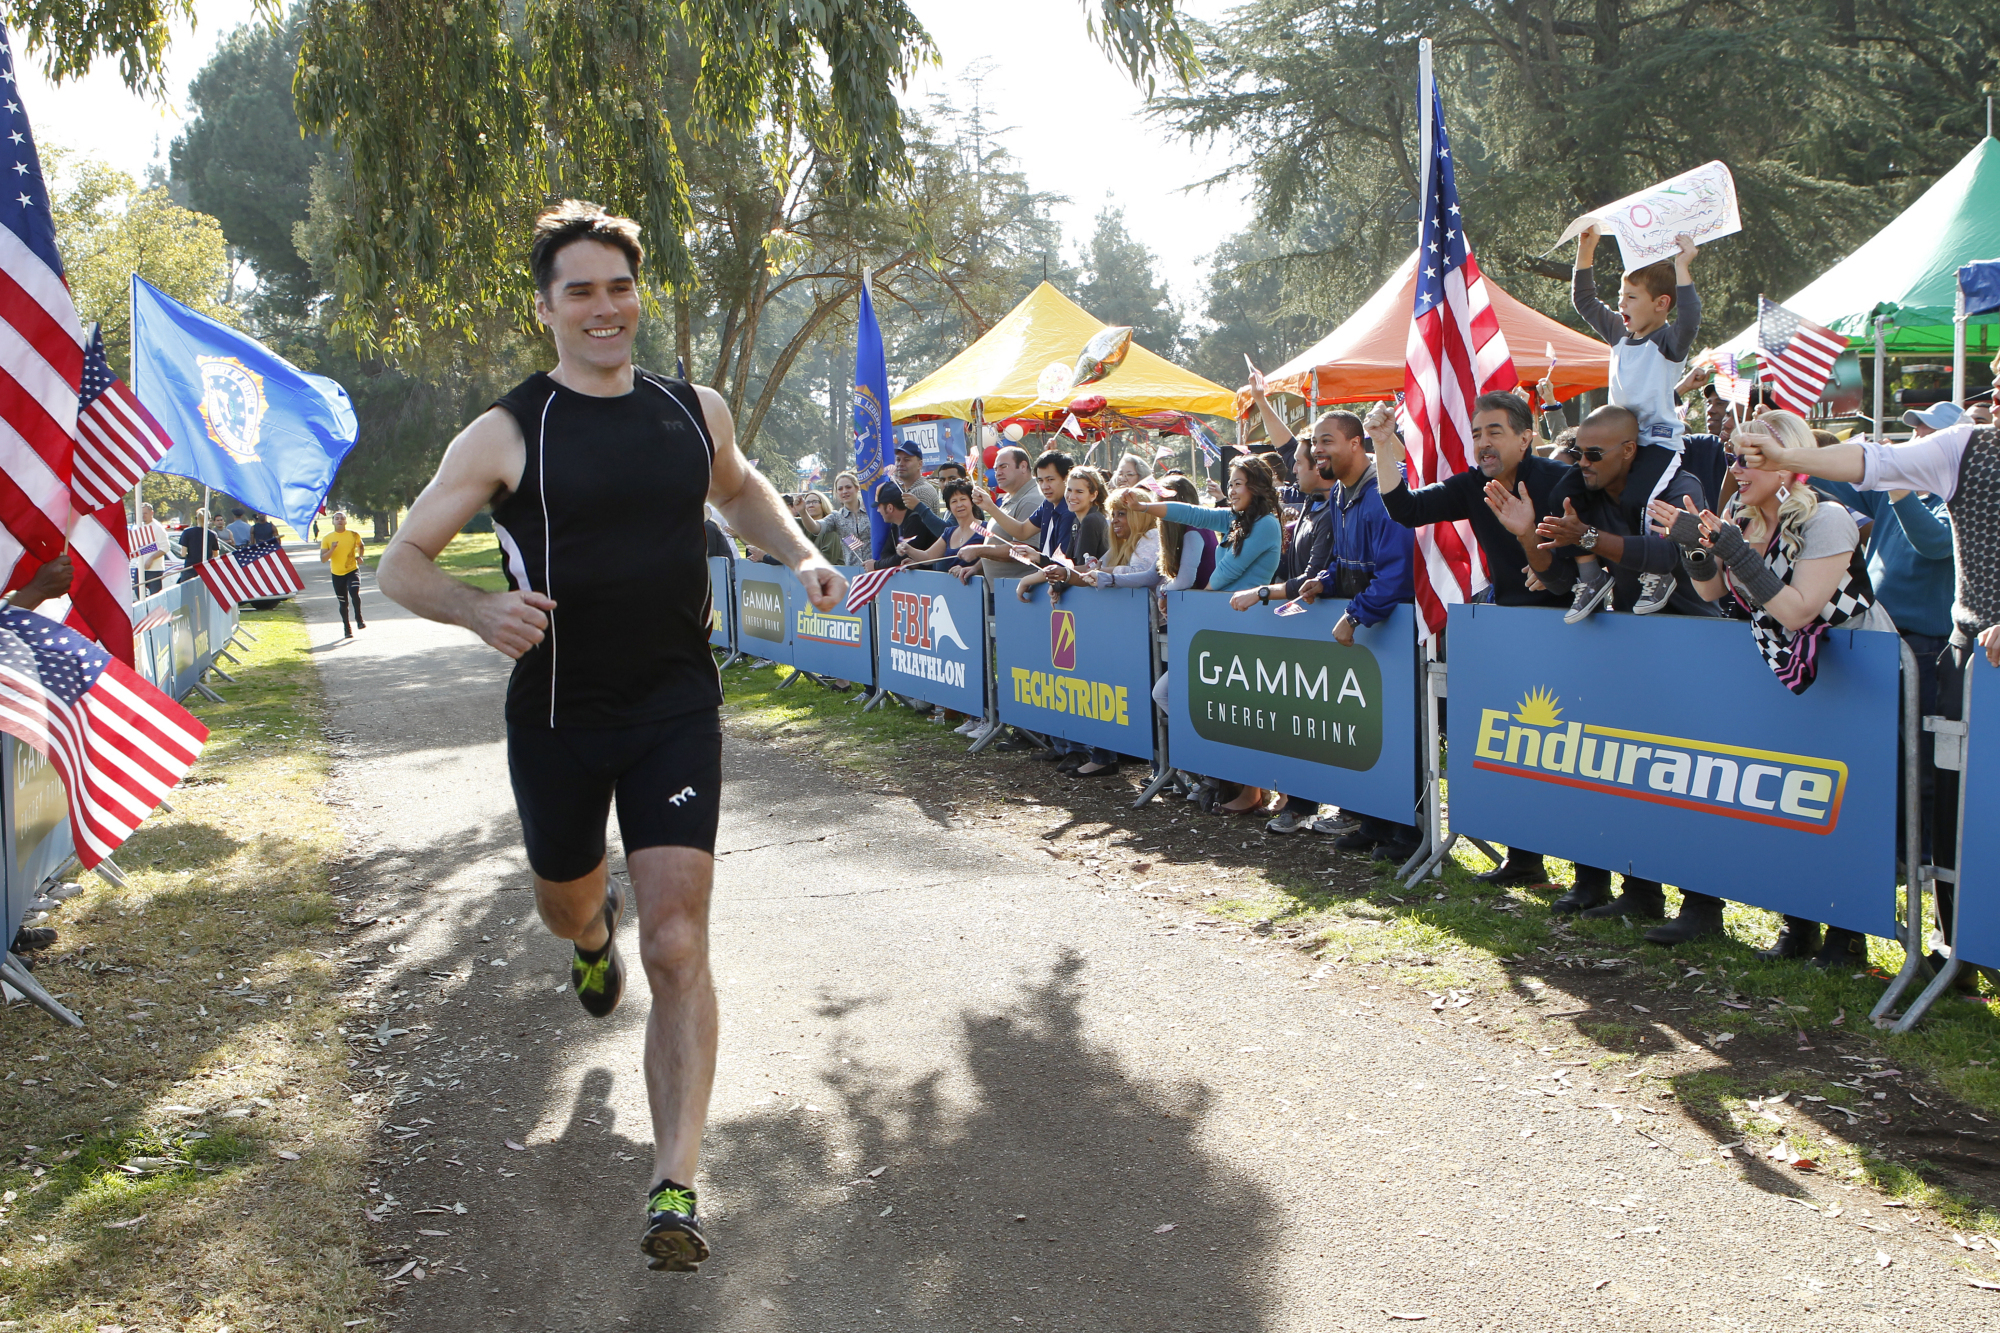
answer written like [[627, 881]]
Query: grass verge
[[187, 1159]]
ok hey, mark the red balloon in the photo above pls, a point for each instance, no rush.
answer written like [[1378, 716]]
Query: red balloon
[[992, 452], [1088, 406]]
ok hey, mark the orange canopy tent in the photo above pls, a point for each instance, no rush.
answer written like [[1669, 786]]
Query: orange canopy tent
[[1362, 360]]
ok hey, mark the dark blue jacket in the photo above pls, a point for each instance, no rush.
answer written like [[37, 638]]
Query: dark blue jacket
[[1371, 556]]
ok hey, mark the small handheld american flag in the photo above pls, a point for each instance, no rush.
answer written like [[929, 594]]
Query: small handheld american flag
[[250, 573], [117, 439], [1798, 356], [119, 744], [867, 586], [153, 619]]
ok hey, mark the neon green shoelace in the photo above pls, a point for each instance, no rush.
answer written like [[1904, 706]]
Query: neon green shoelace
[[590, 976], [672, 1199]]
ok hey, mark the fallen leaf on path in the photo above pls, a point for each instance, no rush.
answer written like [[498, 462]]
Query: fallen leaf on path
[[1412, 1317], [423, 1232], [765, 1301], [1164, 1228], [1600, 1284], [886, 1211], [286, 1155], [513, 1145], [128, 1222], [1882, 1259], [402, 1271], [876, 1172], [1984, 1286]]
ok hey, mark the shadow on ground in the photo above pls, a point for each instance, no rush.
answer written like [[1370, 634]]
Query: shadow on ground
[[1043, 1188]]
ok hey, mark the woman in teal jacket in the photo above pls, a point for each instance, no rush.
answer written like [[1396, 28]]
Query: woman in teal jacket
[[1246, 557]]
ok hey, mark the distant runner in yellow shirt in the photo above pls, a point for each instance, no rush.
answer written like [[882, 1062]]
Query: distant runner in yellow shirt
[[342, 550]]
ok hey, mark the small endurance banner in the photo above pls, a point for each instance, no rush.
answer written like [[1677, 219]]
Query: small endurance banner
[[1978, 903], [1080, 668], [930, 635], [830, 643], [1273, 701], [1663, 746]]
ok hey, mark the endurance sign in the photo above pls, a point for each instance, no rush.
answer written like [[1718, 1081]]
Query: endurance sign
[[1273, 701], [1579, 741]]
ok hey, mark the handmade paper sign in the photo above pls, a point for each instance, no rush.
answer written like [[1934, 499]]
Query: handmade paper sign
[[1700, 203]]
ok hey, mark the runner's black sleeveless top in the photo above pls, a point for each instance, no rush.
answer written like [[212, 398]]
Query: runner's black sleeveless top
[[607, 521]]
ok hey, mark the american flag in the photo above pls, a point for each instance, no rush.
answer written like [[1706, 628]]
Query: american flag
[[117, 439], [1204, 439], [869, 584], [41, 354], [1798, 356], [153, 619], [119, 744], [1729, 382], [142, 538], [250, 573], [1454, 353]]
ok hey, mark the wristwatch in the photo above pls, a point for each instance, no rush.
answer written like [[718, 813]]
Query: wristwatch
[[1588, 541], [1264, 595]]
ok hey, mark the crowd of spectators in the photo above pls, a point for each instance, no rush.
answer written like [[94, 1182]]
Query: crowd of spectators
[[1740, 511]]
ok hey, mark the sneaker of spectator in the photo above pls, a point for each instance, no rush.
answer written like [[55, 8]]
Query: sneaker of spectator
[[1289, 820], [1592, 591], [1335, 823]]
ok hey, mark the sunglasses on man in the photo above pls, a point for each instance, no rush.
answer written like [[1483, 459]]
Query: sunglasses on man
[[1593, 455]]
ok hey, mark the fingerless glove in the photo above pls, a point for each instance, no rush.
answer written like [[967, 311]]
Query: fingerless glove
[[1754, 578], [1686, 531]]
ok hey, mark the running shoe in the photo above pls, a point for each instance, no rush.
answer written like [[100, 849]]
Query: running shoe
[[600, 981], [1336, 824], [1591, 593], [673, 1242], [1654, 590], [1288, 821]]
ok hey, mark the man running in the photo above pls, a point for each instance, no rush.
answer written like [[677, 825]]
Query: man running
[[341, 550], [597, 473]]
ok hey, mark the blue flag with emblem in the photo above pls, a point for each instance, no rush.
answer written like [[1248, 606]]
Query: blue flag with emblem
[[243, 419], [871, 411]]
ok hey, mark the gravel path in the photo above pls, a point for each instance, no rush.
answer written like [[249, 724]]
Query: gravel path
[[963, 1089]]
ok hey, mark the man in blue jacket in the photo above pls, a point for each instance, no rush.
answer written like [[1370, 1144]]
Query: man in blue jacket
[[1370, 560]]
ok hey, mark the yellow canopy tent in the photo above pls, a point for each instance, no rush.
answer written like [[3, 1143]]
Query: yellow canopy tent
[[1002, 367]]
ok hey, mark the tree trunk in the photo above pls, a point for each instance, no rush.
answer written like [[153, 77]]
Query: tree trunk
[[747, 434]]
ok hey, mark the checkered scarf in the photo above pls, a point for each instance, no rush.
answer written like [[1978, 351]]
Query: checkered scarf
[[1793, 655]]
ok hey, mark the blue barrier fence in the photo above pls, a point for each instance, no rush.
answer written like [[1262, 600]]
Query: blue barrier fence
[[721, 601], [763, 620], [1594, 754], [1978, 936], [1273, 701], [830, 643], [1663, 748], [1080, 667], [930, 632]]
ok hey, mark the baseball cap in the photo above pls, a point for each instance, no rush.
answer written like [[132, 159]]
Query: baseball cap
[[1937, 416], [907, 447]]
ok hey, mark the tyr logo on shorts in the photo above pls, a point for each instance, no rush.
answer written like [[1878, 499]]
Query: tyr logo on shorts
[[681, 797]]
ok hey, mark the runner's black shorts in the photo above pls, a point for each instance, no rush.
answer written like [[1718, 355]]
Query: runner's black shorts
[[665, 776]]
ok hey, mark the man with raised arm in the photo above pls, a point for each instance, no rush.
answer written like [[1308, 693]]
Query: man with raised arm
[[597, 473]]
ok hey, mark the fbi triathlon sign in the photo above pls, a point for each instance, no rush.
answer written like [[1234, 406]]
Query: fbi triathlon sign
[[1532, 740], [1306, 699], [919, 627], [763, 610]]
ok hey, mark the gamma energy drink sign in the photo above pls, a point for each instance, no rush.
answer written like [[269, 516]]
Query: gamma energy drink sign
[[1304, 698]]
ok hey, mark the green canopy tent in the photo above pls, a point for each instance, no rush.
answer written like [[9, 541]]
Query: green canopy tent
[[1899, 291]]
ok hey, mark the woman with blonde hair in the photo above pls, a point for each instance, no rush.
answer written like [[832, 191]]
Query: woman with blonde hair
[[1794, 567]]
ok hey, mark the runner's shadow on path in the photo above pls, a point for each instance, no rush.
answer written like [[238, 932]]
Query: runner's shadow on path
[[1045, 1185]]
